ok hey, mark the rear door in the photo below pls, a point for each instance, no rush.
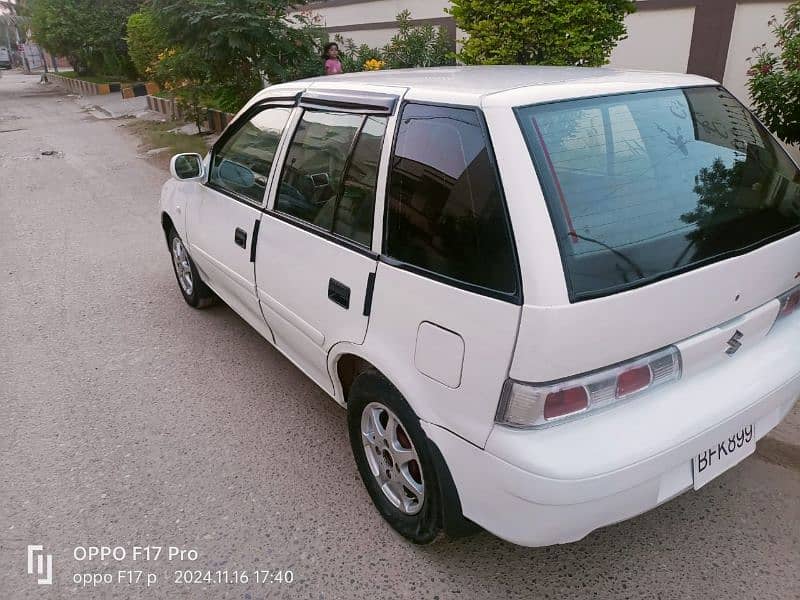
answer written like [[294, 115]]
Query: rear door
[[314, 262], [224, 213]]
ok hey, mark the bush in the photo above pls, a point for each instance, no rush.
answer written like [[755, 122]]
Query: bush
[[184, 75], [417, 46], [541, 32], [354, 58], [245, 43], [146, 39], [774, 82]]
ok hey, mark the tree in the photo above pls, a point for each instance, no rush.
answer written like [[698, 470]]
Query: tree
[[89, 33], [774, 82], [243, 42], [147, 39], [551, 32]]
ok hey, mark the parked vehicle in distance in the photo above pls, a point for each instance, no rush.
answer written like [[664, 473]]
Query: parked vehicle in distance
[[550, 299], [5, 58]]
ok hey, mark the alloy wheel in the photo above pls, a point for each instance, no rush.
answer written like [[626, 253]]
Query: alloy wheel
[[392, 458]]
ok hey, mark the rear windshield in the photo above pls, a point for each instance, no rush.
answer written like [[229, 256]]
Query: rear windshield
[[645, 185]]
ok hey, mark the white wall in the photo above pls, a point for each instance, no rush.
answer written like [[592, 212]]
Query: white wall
[[381, 11], [657, 40], [750, 29], [375, 38]]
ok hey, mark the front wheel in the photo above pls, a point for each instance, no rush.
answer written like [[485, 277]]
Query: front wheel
[[392, 455], [196, 293]]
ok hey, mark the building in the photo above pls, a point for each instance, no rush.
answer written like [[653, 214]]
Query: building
[[706, 37]]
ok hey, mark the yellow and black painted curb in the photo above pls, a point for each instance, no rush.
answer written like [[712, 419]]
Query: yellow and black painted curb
[[216, 120], [87, 88]]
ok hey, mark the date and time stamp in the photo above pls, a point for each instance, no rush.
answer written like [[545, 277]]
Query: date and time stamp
[[97, 566]]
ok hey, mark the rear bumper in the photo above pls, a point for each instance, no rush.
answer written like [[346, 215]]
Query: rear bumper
[[556, 485]]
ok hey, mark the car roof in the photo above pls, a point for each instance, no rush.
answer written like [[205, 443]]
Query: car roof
[[506, 83]]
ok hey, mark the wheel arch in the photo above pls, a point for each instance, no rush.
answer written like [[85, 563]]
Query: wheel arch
[[167, 225], [345, 362]]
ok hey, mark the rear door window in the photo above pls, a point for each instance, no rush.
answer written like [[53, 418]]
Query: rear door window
[[445, 212], [330, 173], [687, 177]]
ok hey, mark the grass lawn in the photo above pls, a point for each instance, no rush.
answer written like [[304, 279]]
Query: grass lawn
[[155, 134], [96, 78]]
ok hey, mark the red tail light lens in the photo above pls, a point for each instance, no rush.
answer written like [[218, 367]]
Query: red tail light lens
[[633, 380], [565, 402], [533, 405], [789, 303]]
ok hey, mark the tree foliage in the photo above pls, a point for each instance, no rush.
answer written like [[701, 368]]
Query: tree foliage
[[242, 43], [552, 32], [417, 46], [147, 39], [89, 33], [412, 46], [774, 82]]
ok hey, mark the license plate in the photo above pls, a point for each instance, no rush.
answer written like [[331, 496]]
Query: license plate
[[723, 455]]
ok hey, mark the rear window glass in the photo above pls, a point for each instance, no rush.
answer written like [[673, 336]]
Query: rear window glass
[[644, 185]]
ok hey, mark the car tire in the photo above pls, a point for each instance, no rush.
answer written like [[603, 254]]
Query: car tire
[[196, 293], [375, 404]]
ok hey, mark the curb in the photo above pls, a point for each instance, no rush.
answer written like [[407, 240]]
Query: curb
[[140, 89], [216, 120], [87, 88], [79, 86]]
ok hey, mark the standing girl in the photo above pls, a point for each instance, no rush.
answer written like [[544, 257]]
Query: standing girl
[[330, 55]]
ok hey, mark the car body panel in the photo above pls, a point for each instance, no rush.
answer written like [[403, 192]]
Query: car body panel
[[558, 483]]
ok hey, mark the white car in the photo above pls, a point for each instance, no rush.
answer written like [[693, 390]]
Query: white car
[[550, 299]]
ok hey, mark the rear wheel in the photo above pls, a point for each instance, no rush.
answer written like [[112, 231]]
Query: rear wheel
[[196, 293], [393, 458]]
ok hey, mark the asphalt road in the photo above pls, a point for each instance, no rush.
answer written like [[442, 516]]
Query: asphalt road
[[129, 419]]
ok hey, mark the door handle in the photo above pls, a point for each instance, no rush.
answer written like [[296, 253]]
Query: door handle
[[338, 293], [240, 237]]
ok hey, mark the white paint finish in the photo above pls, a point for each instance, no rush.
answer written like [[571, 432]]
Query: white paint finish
[[707, 349], [688, 413], [531, 509], [439, 354], [559, 341], [293, 268], [543, 281], [380, 11], [657, 39], [519, 84], [750, 29], [401, 301], [174, 195], [211, 220]]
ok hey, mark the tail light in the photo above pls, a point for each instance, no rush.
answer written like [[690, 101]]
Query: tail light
[[532, 405], [790, 302]]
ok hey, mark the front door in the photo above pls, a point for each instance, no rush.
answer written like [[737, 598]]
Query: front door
[[314, 262], [223, 216]]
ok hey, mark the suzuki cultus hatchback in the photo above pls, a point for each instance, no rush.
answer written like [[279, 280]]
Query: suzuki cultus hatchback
[[550, 298]]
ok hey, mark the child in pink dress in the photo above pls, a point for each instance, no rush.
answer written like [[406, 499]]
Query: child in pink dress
[[330, 55]]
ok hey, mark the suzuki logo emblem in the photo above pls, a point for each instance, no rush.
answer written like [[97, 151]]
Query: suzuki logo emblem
[[734, 344]]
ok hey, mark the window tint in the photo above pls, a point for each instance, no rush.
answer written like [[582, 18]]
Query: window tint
[[688, 177], [312, 174], [355, 211], [445, 210], [243, 163]]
